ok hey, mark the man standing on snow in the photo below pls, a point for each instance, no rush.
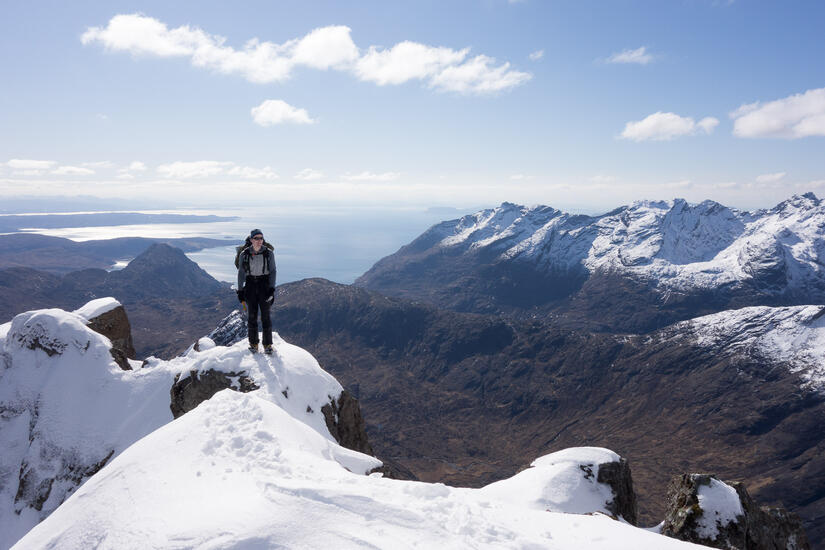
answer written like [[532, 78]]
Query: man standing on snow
[[256, 287]]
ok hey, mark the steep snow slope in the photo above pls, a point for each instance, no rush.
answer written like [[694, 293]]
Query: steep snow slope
[[240, 472], [66, 408], [793, 337]]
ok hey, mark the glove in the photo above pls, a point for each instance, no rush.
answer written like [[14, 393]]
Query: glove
[[270, 296], [240, 295]]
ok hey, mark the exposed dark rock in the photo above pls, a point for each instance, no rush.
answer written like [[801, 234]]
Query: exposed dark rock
[[231, 329], [114, 325], [189, 392], [617, 475], [345, 423], [757, 528]]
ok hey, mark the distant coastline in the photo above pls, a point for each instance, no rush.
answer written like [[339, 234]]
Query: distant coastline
[[11, 223]]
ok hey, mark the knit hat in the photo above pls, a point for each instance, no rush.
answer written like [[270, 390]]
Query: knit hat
[[255, 232]]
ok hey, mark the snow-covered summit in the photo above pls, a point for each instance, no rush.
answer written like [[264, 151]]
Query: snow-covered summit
[[673, 243], [67, 408]]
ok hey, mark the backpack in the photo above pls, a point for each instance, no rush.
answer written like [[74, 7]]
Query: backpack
[[247, 243]]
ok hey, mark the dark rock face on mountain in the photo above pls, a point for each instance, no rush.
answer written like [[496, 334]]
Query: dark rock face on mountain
[[345, 423], [617, 475], [189, 391], [704, 510], [171, 273], [171, 301], [467, 398], [635, 269], [114, 325]]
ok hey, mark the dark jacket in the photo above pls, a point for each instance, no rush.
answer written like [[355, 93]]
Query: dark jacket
[[244, 264]]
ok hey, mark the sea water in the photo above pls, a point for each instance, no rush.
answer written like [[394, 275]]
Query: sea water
[[334, 242]]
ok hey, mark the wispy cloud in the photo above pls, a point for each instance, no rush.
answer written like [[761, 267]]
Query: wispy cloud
[[72, 171], [29, 167], [666, 126], [249, 173], [196, 169], [324, 48], [212, 168], [308, 174], [276, 111], [793, 117], [536, 55], [639, 56], [370, 176], [767, 178]]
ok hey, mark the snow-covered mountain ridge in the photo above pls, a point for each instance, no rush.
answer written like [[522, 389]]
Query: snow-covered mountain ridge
[[676, 244]]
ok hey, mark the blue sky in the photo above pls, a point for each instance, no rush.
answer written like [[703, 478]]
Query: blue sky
[[581, 105]]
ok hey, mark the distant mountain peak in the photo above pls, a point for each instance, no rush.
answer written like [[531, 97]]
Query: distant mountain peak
[[163, 270]]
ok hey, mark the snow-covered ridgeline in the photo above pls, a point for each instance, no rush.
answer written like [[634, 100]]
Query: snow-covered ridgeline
[[66, 407], [675, 243], [255, 469], [239, 472], [791, 336]]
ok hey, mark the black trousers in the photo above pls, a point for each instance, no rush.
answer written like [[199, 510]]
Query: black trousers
[[255, 292]]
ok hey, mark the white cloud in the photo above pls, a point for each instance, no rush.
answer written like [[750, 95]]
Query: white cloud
[[536, 55], [666, 126], [25, 164], [768, 178], [72, 171], [28, 167], [639, 56], [324, 48], [369, 176], [197, 169], [125, 176], [98, 164], [478, 76], [249, 173], [406, 61], [520, 177], [679, 184], [793, 117], [276, 111], [308, 174]]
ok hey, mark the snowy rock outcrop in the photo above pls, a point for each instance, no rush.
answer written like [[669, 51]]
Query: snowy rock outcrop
[[107, 316], [580, 480], [707, 511], [67, 408]]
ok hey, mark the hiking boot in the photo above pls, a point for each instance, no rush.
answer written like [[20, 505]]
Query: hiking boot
[[253, 348], [268, 350]]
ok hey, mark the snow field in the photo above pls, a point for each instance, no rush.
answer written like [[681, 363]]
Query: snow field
[[239, 472]]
